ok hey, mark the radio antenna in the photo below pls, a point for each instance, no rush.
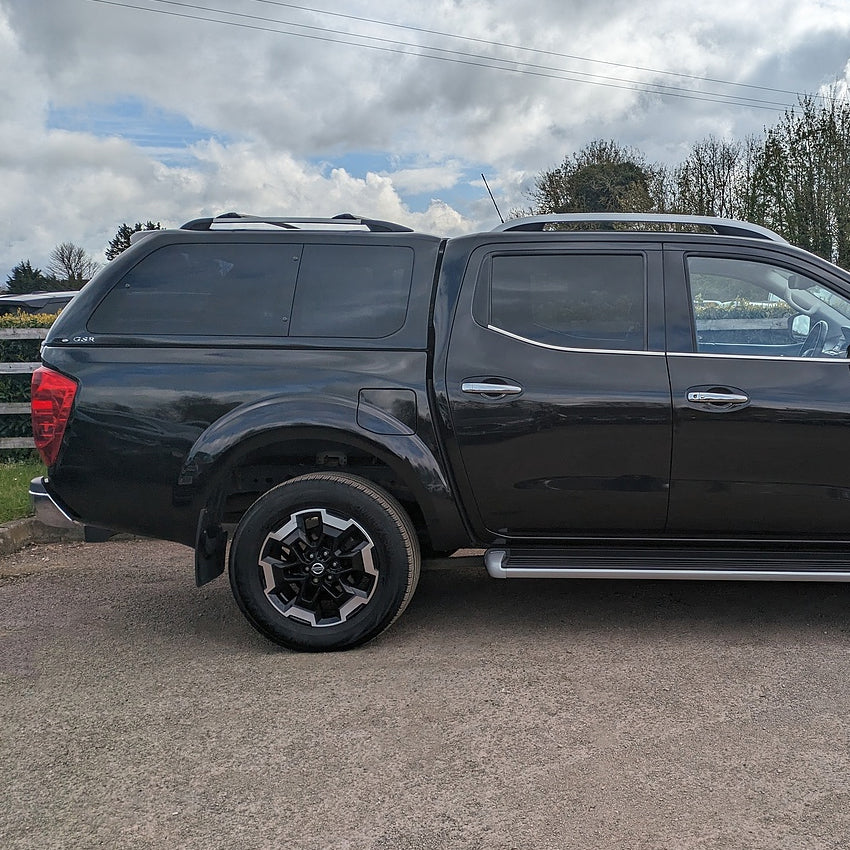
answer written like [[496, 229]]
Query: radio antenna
[[492, 198]]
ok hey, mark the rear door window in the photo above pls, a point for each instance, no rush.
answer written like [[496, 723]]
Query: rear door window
[[570, 300]]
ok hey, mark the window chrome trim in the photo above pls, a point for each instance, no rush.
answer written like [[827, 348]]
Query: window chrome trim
[[577, 350], [842, 360]]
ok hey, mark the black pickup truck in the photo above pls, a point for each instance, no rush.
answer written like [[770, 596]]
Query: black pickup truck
[[629, 396]]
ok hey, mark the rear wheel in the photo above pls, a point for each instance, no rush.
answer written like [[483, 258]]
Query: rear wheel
[[324, 562]]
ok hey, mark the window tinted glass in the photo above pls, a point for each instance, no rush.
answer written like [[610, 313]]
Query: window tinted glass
[[571, 300], [742, 307], [356, 291], [212, 289]]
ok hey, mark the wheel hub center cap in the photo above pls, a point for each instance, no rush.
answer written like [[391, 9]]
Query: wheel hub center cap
[[318, 568]]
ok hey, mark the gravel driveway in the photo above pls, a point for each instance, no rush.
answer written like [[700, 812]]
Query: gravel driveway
[[139, 711]]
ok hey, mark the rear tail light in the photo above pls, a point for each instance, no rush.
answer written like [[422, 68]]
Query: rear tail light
[[52, 399]]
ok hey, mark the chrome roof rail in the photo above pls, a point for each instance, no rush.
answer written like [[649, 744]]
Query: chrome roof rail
[[344, 221], [721, 226]]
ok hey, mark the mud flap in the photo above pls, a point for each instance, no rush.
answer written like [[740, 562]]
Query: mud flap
[[210, 547]]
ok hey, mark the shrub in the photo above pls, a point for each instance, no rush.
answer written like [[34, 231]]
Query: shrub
[[740, 309], [20, 319]]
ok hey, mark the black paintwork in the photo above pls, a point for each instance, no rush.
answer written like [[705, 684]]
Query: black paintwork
[[597, 445]]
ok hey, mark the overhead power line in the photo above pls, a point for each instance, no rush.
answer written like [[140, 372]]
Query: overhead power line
[[412, 28], [333, 36]]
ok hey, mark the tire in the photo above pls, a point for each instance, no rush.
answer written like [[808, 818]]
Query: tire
[[324, 562]]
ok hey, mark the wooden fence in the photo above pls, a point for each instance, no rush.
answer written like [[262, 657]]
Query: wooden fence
[[18, 369]]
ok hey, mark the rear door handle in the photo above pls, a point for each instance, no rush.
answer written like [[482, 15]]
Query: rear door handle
[[702, 397], [490, 389]]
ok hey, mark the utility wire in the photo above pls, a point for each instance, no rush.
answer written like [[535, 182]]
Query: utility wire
[[656, 88], [538, 51], [474, 60]]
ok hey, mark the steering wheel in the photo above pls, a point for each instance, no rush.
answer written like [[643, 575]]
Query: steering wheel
[[813, 344]]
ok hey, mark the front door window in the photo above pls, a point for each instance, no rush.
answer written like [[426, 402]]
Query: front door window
[[742, 308]]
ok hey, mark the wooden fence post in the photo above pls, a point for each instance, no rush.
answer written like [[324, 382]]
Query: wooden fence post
[[18, 369]]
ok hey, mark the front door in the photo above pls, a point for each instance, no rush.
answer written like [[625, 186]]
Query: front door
[[558, 389], [761, 397]]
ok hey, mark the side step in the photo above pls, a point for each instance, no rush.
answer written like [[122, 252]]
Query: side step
[[703, 563]]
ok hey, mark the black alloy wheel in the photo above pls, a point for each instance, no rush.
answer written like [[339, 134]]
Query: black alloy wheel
[[325, 561]]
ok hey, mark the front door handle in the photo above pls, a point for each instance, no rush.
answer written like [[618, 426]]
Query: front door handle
[[485, 388], [702, 397]]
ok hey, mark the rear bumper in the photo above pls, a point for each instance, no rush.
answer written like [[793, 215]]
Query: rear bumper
[[47, 510]]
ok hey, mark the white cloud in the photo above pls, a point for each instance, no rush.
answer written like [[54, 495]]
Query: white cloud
[[277, 113], [426, 178]]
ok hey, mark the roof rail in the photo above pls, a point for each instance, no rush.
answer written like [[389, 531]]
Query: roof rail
[[344, 221], [721, 226]]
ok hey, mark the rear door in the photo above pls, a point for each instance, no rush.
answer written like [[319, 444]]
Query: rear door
[[558, 389], [761, 394]]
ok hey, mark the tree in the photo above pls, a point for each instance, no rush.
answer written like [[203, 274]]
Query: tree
[[602, 177], [121, 242], [713, 179], [24, 278], [802, 171], [71, 265]]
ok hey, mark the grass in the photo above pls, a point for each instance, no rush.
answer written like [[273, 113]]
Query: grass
[[14, 488], [15, 475]]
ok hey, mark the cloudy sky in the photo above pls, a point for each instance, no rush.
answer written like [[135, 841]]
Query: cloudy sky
[[118, 111]]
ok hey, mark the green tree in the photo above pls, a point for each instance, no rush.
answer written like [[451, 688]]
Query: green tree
[[24, 278], [793, 178], [603, 176], [121, 241], [801, 178]]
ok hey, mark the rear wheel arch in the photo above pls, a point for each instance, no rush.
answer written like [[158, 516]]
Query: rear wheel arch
[[236, 479]]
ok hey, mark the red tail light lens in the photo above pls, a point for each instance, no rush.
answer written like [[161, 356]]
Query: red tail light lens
[[52, 399]]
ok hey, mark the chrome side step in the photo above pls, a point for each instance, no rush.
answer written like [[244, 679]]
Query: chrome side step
[[705, 564]]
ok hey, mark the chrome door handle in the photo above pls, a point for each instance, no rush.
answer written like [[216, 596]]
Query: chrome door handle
[[490, 389], [718, 398]]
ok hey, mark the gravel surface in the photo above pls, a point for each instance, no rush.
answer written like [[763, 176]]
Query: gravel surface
[[138, 711]]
